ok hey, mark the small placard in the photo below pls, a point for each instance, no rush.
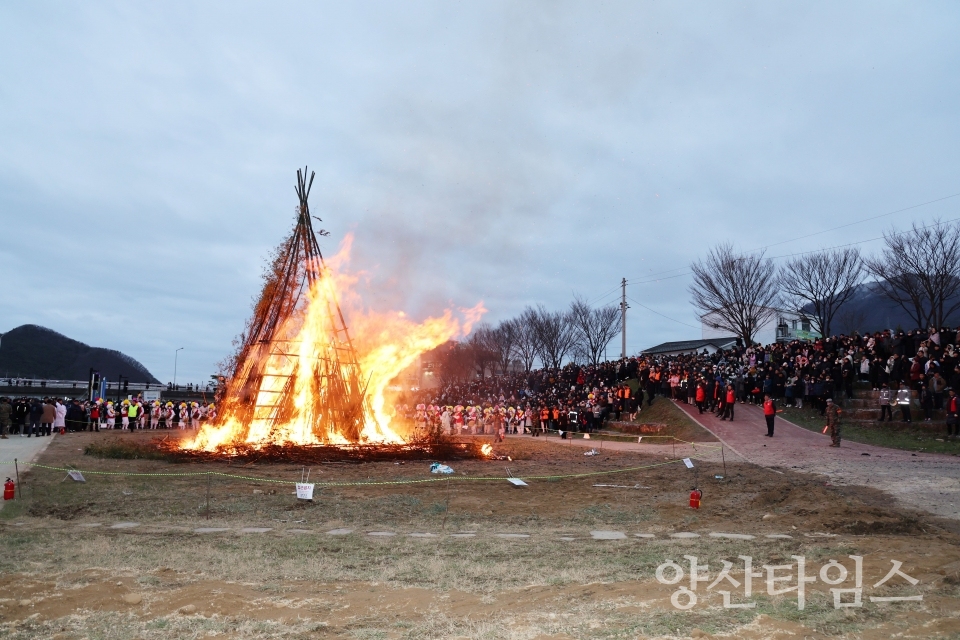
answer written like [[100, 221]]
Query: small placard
[[517, 482], [688, 462], [76, 475], [304, 491]]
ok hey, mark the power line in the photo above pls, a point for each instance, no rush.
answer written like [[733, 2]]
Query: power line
[[850, 224], [788, 255], [843, 226], [660, 314], [603, 295], [801, 253], [598, 302], [850, 244]]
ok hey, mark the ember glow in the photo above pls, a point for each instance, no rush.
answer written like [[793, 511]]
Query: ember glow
[[291, 387], [486, 449]]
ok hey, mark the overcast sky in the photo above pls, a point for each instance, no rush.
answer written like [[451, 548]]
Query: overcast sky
[[515, 153]]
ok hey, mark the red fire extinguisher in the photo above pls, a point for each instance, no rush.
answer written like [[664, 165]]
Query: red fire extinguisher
[[695, 496], [8, 488]]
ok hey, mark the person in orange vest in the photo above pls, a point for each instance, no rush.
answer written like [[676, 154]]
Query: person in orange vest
[[769, 413], [700, 397], [731, 400]]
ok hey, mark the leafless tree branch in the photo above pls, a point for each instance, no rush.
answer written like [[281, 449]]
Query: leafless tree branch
[[593, 328], [920, 270], [822, 281], [736, 292]]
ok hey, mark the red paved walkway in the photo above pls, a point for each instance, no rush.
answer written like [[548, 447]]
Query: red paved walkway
[[790, 444], [925, 480]]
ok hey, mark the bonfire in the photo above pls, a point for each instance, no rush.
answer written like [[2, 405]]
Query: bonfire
[[300, 377]]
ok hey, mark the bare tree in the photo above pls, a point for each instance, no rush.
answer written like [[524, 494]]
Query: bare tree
[[525, 346], [455, 361], [554, 333], [851, 320], [920, 270], [480, 344], [734, 292], [593, 328], [502, 341], [823, 282]]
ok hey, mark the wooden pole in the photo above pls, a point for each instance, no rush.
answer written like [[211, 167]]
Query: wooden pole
[[722, 457], [208, 496], [17, 469]]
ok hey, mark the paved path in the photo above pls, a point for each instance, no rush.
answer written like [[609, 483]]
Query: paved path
[[23, 450], [656, 533], [926, 481]]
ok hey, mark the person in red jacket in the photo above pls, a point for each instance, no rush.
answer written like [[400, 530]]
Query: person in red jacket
[[769, 413], [731, 400], [700, 397], [953, 407]]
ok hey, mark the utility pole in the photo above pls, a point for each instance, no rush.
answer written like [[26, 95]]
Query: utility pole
[[623, 319], [175, 354]]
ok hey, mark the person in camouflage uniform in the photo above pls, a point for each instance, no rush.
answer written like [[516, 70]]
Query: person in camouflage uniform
[[833, 421], [6, 410]]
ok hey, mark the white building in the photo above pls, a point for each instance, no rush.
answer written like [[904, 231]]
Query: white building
[[781, 326]]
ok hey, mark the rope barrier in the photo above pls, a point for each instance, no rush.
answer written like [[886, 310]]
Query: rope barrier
[[351, 484], [572, 434]]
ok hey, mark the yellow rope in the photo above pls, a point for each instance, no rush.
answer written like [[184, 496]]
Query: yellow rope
[[347, 484]]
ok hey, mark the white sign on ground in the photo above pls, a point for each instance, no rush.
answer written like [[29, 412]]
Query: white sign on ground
[[304, 491]]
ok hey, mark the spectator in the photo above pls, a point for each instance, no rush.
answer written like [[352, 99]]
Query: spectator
[[48, 415], [6, 411], [884, 400]]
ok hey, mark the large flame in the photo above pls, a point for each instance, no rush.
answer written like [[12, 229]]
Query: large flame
[[386, 344]]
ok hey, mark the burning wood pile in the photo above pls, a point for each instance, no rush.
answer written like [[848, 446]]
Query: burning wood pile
[[300, 377]]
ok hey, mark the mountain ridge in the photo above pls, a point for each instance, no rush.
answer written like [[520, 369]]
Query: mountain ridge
[[32, 351]]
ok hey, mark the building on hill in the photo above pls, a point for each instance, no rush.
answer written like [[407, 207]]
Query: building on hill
[[781, 326], [682, 347], [31, 351]]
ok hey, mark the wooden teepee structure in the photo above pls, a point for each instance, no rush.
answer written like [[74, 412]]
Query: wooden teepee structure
[[269, 366]]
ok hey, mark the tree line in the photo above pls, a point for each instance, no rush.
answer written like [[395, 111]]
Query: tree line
[[919, 269], [580, 333]]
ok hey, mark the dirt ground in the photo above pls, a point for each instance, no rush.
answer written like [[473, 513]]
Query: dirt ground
[[469, 555]]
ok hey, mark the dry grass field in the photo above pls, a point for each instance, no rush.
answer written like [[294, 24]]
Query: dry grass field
[[462, 557]]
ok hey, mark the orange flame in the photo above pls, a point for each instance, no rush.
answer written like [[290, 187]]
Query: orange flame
[[386, 345], [486, 449]]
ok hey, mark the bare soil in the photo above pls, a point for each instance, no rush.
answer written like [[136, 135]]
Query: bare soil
[[68, 574]]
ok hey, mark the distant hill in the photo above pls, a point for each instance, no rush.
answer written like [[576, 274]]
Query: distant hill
[[30, 351], [868, 310]]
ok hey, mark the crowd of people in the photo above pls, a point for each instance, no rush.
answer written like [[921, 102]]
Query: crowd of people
[[31, 417], [900, 365]]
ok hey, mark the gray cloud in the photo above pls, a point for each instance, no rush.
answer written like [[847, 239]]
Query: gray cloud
[[510, 152]]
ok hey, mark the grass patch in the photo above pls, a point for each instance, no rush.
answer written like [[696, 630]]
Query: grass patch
[[124, 450], [671, 418], [894, 435]]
